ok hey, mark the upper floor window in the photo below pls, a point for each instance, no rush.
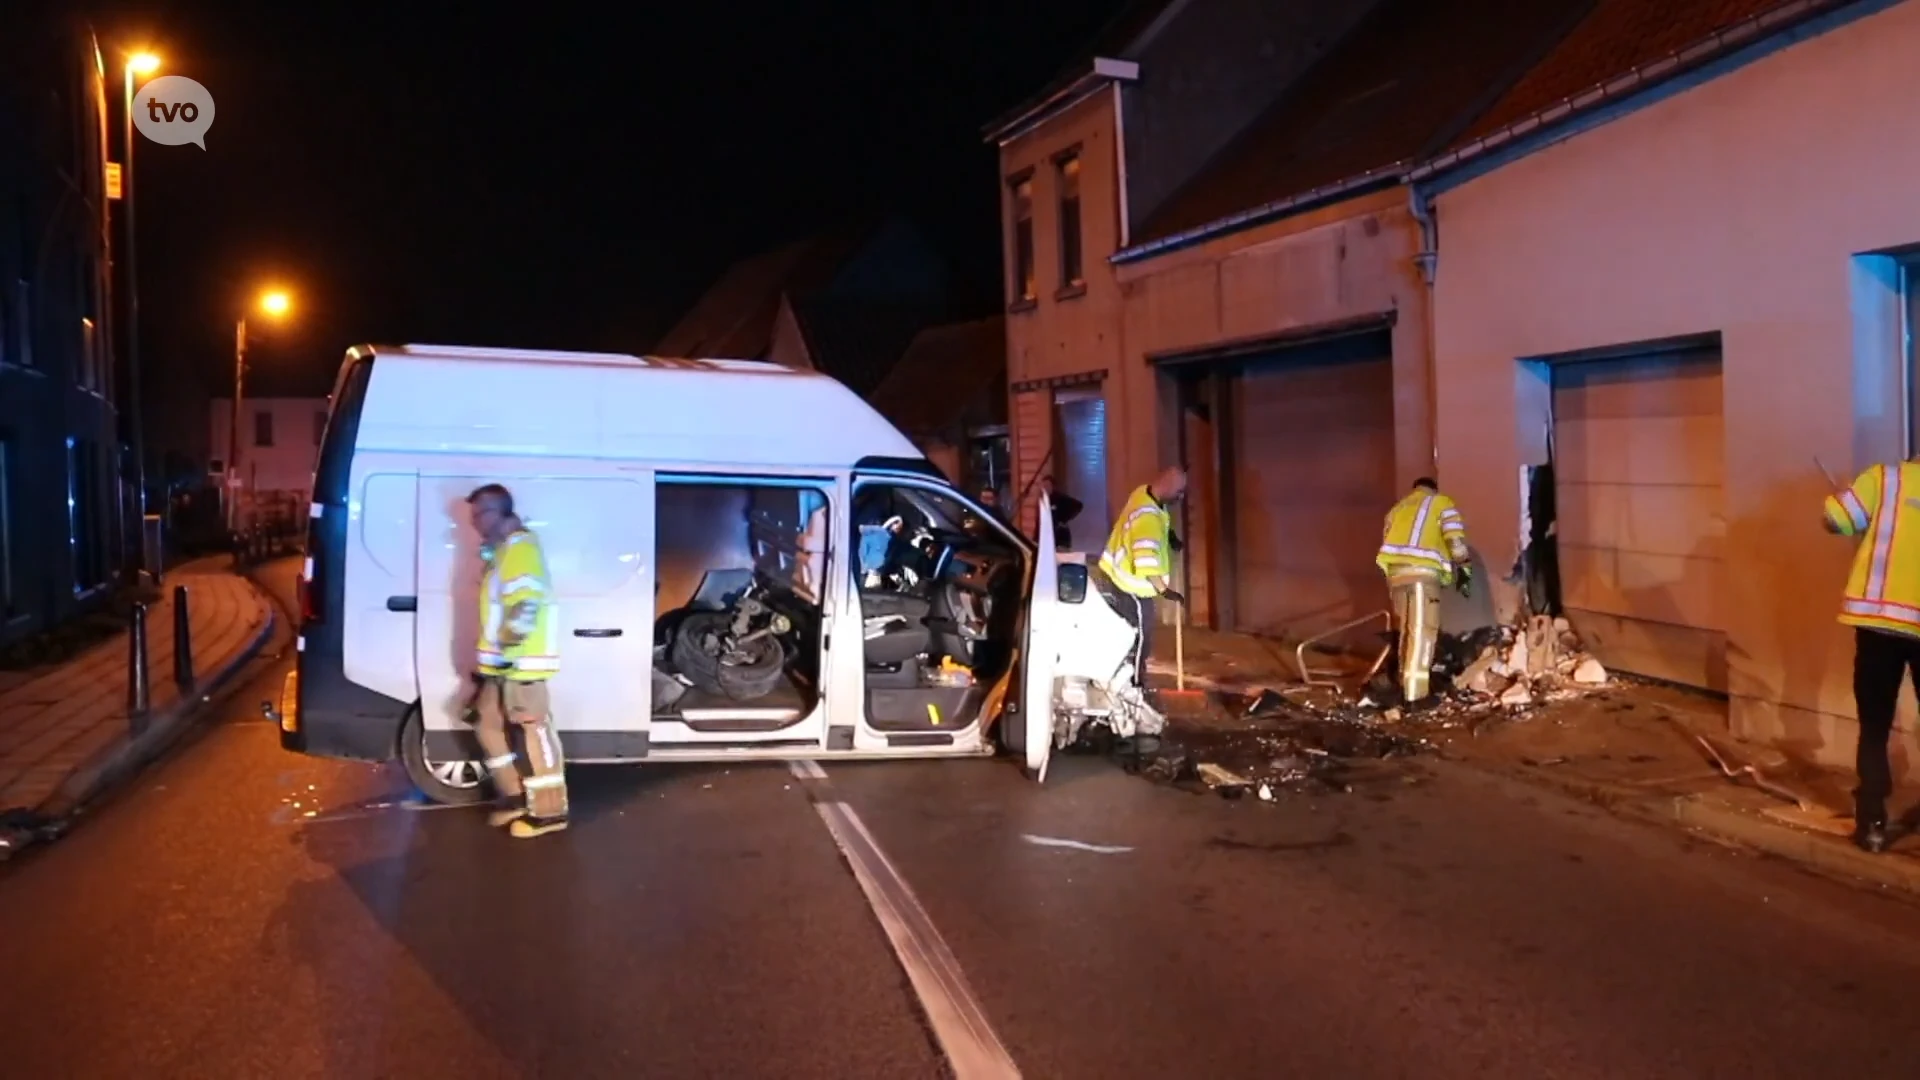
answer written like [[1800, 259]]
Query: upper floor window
[[1025, 285], [1067, 182], [263, 428]]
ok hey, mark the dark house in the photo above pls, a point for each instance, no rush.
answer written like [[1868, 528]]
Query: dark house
[[845, 302], [60, 491], [948, 393]]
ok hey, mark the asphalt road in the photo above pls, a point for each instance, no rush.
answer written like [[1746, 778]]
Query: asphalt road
[[243, 912]]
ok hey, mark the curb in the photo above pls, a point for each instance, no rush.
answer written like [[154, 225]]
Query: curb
[[121, 760], [1700, 813]]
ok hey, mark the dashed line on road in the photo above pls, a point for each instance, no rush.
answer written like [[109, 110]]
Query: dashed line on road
[[960, 1025]]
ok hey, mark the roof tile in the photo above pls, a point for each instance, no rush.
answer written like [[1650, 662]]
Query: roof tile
[[1615, 38], [1398, 86]]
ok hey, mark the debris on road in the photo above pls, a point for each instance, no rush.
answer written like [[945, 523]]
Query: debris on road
[[1316, 738], [1734, 771], [1077, 845]]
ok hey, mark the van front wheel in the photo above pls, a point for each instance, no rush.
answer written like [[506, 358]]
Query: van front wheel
[[450, 783]]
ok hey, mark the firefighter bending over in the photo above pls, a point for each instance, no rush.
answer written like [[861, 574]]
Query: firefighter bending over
[[517, 655], [1422, 550], [1137, 566]]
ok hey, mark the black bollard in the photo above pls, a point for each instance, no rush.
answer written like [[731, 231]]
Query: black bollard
[[138, 687], [182, 640]]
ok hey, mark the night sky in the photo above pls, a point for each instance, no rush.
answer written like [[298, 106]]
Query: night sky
[[540, 174]]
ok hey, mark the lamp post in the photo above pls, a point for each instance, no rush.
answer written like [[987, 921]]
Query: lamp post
[[275, 304], [139, 63]]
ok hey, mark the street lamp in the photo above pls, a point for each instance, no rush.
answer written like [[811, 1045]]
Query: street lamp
[[138, 63], [275, 304]]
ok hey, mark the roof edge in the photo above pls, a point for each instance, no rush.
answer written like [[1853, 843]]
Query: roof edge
[[1059, 97], [1621, 88], [1371, 180], [1722, 43]]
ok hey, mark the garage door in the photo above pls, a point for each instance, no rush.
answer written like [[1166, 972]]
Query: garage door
[[1312, 460], [1639, 447]]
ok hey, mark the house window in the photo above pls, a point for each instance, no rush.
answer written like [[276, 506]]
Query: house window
[[263, 428], [83, 514], [89, 341], [6, 527], [1067, 182], [1025, 287], [1909, 328], [23, 323], [319, 426]]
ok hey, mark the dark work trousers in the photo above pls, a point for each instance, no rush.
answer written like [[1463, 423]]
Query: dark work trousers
[[1139, 613], [1881, 662]]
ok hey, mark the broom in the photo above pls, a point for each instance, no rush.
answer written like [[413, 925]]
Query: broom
[[1181, 701]]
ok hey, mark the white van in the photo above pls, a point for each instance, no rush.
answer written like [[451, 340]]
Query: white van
[[749, 562]]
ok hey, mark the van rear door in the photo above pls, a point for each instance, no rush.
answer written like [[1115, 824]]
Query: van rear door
[[597, 536]]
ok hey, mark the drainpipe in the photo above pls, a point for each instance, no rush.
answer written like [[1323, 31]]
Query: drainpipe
[[1428, 260], [1120, 168]]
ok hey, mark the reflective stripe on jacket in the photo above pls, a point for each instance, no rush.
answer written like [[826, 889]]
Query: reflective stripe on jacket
[[1424, 531], [1137, 548], [1883, 508], [516, 594]]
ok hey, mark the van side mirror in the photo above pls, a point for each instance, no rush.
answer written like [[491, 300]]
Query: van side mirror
[[1073, 583]]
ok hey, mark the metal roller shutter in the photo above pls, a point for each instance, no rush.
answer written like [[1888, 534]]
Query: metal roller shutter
[[1082, 469], [1313, 463]]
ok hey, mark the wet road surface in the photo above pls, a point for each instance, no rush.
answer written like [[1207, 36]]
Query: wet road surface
[[701, 921]]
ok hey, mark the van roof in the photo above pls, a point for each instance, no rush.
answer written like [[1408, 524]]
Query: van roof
[[451, 399]]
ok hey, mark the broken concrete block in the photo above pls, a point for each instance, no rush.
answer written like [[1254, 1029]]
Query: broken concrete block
[[1561, 625], [1217, 777], [1516, 695], [1590, 673], [1391, 716], [1542, 646], [1478, 675], [1517, 655]]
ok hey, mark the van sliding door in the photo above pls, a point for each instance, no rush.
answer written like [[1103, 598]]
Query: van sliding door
[[596, 533]]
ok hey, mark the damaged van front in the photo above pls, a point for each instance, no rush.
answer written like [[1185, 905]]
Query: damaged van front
[[1082, 673]]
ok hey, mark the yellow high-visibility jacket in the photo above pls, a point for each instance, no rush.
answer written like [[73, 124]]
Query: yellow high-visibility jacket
[[1424, 531], [1137, 548], [517, 595], [1882, 507]]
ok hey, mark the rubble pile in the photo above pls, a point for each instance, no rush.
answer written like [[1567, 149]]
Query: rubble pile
[[1540, 660]]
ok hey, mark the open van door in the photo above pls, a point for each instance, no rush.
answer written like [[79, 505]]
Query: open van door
[[1043, 647]]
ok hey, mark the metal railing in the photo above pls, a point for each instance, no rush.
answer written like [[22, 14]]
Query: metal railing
[[1326, 676]]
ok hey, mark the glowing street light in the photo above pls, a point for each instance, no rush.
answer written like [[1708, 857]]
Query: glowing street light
[[274, 303], [143, 63]]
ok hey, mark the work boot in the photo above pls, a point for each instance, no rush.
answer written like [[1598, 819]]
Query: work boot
[[505, 812], [1870, 831], [526, 828]]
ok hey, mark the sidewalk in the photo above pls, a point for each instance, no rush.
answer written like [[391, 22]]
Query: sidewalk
[[1642, 750], [64, 726]]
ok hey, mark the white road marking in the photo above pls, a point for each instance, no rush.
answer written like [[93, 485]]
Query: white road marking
[[1077, 845], [959, 1023]]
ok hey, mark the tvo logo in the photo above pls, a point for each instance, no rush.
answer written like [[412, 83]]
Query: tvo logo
[[173, 110]]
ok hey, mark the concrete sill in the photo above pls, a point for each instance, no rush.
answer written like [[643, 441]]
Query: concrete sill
[[1020, 307], [1069, 292]]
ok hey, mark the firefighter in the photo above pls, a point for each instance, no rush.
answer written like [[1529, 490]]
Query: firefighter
[[1423, 549], [1882, 604], [1137, 566], [517, 654]]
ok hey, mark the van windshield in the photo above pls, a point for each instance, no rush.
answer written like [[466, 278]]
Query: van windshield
[[925, 508]]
